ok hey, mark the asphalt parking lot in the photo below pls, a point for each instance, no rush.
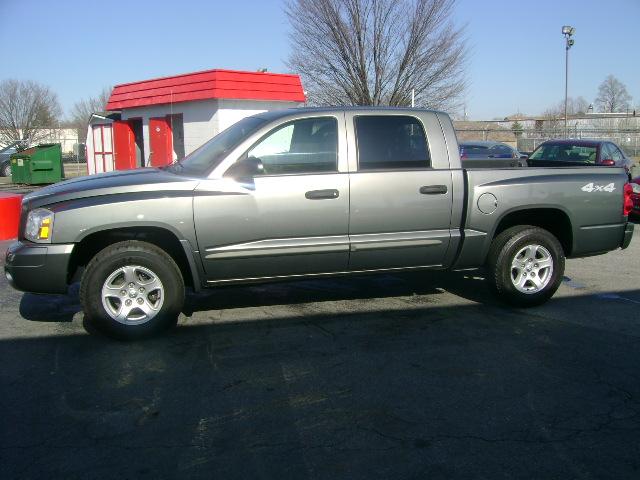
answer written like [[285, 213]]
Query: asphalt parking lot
[[393, 376]]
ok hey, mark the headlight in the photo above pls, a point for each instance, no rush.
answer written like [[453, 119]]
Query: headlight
[[39, 225]]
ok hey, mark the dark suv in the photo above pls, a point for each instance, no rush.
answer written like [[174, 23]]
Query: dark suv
[[5, 157], [575, 153]]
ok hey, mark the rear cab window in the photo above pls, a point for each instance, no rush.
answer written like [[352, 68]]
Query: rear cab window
[[391, 142]]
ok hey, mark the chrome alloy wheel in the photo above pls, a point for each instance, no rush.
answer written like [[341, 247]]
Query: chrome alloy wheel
[[531, 269], [132, 295]]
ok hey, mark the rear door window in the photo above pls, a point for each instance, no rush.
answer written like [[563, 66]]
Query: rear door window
[[616, 154], [605, 152], [391, 142]]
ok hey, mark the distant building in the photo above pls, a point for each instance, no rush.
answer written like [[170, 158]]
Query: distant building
[[155, 122], [587, 121], [66, 137]]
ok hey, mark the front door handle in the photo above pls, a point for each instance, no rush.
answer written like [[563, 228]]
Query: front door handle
[[322, 194], [433, 189]]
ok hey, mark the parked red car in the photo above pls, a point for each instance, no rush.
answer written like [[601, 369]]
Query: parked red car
[[575, 153]]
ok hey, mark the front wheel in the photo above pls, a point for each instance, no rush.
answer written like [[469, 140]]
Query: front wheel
[[132, 289], [526, 265], [5, 170]]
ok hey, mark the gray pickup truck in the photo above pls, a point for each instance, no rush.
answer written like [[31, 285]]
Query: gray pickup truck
[[310, 192]]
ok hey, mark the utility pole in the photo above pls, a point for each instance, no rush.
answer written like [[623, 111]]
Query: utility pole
[[568, 32]]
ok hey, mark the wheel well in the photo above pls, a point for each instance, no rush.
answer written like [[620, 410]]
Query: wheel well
[[84, 251], [553, 220]]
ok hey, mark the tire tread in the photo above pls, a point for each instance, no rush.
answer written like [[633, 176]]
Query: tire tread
[[500, 249], [91, 304]]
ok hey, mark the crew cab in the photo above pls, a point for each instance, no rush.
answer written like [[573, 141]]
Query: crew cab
[[310, 192]]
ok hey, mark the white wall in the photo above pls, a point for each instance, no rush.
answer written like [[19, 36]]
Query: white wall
[[202, 118], [230, 111]]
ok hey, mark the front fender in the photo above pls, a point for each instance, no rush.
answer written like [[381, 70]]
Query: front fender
[[76, 219]]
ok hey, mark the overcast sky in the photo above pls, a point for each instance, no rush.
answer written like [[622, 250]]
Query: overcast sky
[[516, 60]]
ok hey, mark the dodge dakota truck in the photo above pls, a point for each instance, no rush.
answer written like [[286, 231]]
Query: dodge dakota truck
[[310, 193]]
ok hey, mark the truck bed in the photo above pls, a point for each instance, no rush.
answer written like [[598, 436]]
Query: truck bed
[[588, 199]]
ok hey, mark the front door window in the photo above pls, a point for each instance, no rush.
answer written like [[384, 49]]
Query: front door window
[[303, 146]]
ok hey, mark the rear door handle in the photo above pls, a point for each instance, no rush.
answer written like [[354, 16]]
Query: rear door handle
[[322, 194], [433, 189]]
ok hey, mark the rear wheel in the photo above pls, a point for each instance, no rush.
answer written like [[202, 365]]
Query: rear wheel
[[5, 170], [526, 265], [132, 289]]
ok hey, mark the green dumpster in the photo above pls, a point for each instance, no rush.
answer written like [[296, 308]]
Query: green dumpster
[[41, 164]]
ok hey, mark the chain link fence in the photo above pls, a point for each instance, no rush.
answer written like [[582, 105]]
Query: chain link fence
[[628, 140]]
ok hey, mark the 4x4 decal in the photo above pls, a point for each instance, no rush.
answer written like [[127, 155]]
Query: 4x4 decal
[[591, 187]]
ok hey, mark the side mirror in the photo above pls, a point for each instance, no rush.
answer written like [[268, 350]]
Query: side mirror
[[244, 170], [608, 163]]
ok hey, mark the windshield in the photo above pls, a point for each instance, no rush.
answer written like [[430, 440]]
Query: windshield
[[204, 159], [565, 153]]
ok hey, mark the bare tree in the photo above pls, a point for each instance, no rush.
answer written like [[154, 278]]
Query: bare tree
[[28, 110], [552, 118], [575, 106], [613, 96], [375, 52], [82, 110]]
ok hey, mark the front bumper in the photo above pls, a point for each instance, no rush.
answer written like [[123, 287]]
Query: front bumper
[[628, 234], [38, 268]]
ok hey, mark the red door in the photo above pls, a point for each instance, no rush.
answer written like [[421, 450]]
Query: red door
[[124, 145], [161, 142]]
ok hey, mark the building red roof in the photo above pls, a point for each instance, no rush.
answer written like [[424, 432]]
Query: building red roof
[[205, 85]]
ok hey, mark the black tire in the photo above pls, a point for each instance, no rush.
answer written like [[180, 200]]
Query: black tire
[[502, 255], [148, 258], [5, 170]]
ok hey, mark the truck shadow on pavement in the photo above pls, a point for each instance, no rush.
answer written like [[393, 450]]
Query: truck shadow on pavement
[[365, 287], [409, 391], [469, 285]]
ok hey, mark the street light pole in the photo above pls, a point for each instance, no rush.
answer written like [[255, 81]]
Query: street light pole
[[567, 31]]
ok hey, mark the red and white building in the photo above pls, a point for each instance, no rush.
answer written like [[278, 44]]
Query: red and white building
[[155, 122]]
